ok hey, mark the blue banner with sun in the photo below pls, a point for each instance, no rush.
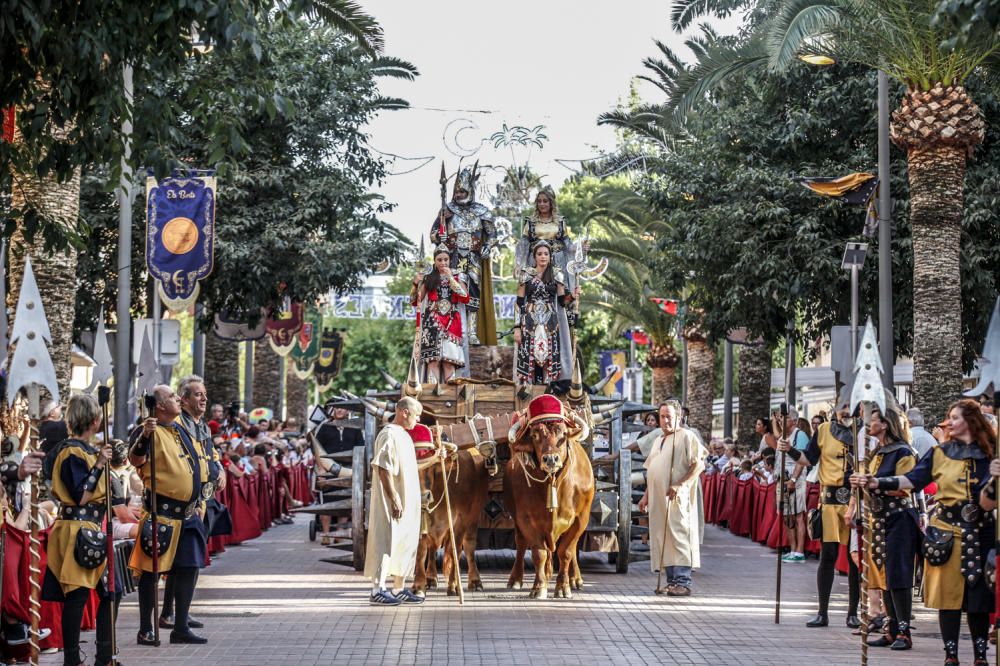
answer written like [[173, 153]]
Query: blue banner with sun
[[180, 235]]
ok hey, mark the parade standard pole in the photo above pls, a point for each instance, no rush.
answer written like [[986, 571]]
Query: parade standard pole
[[451, 524], [779, 432], [103, 398], [154, 521], [886, 335], [31, 369]]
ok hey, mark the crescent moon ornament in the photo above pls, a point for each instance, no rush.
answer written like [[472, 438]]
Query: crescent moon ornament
[[178, 279], [451, 134]]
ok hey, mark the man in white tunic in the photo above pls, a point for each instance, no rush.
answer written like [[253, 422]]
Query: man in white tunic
[[672, 467], [394, 509]]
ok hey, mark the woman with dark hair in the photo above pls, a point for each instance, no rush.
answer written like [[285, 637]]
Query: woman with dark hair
[[762, 427], [894, 529], [440, 300], [541, 330], [961, 529]]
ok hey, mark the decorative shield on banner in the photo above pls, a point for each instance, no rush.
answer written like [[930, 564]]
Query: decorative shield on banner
[[305, 353], [331, 357], [180, 235], [229, 327], [283, 326]]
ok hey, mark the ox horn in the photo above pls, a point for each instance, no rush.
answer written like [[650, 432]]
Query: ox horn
[[413, 386], [515, 427], [391, 381], [599, 386], [582, 424]]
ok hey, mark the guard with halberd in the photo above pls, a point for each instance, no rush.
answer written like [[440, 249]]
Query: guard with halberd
[[181, 538], [467, 228]]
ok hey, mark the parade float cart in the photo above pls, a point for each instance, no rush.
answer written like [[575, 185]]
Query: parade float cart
[[476, 412]]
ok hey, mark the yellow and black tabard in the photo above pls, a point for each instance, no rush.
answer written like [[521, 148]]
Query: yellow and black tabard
[[208, 455], [73, 473], [832, 447], [179, 499], [960, 471], [894, 527]]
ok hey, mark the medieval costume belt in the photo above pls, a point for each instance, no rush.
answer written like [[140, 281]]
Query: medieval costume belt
[[836, 494], [171, 508], [971, 518], [91, 513], [209, 488], [883, 506]]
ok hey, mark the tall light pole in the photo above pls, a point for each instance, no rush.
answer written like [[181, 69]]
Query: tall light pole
[[123, 361], [885, 330]]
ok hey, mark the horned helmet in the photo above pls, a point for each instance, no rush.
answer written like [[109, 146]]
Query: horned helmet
[[466, 180]]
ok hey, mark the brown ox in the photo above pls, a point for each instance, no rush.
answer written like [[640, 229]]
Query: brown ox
[[544, 453], [468, 486]]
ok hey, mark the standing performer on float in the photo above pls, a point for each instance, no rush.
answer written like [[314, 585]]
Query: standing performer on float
[[441, 299], [546, 224], [541, 329], [466, 227], [673, 469]]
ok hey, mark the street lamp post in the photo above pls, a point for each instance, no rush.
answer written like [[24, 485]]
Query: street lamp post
[[885, 329], [123, 361], [854, 259]]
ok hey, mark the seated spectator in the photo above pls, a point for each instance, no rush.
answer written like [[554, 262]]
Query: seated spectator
[[746, 471]]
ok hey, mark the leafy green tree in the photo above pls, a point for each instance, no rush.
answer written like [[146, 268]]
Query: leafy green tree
[[296, 214], [937, 123]]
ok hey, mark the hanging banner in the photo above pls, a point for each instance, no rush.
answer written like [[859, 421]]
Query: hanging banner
[[397, 307], [612, 361], [305, 353], [283, 325], [331, 357], [230, 327], [180, 235]]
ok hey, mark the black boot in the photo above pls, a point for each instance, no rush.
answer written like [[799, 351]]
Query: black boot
[[818, 621], [950, 653], [888, 636], [853, 622], [980, 646], [903, 639]]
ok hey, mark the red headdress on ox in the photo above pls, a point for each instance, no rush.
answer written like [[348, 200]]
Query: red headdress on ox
[[423, 441], [544, 408]]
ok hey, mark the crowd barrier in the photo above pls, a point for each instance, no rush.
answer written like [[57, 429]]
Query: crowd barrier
[[750, 509], [253, 502]]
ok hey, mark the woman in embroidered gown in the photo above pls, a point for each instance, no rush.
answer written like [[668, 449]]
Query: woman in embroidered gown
[[961, 529], [440, 299], [545, 224], [541, 331]]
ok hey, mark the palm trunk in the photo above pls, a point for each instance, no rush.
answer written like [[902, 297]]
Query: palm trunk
[[297, 397], [663, 360], [936, 198], [55, 272], [222, 372], [700, 384], [266, 379], [754, 391]]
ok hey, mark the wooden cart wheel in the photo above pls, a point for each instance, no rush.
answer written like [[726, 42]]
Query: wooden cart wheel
[[358, 509]]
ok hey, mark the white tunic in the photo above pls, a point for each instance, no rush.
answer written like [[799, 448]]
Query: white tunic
[[392, 544], [668, 461]]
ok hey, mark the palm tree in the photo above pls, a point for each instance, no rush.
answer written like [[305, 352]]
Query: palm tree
[[627, 229], [937, 123]]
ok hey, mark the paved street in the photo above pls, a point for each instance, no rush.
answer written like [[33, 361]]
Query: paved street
[[273, 602]]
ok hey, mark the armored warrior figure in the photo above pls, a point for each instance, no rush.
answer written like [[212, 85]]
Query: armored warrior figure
[[545, 224], [466, 228]]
